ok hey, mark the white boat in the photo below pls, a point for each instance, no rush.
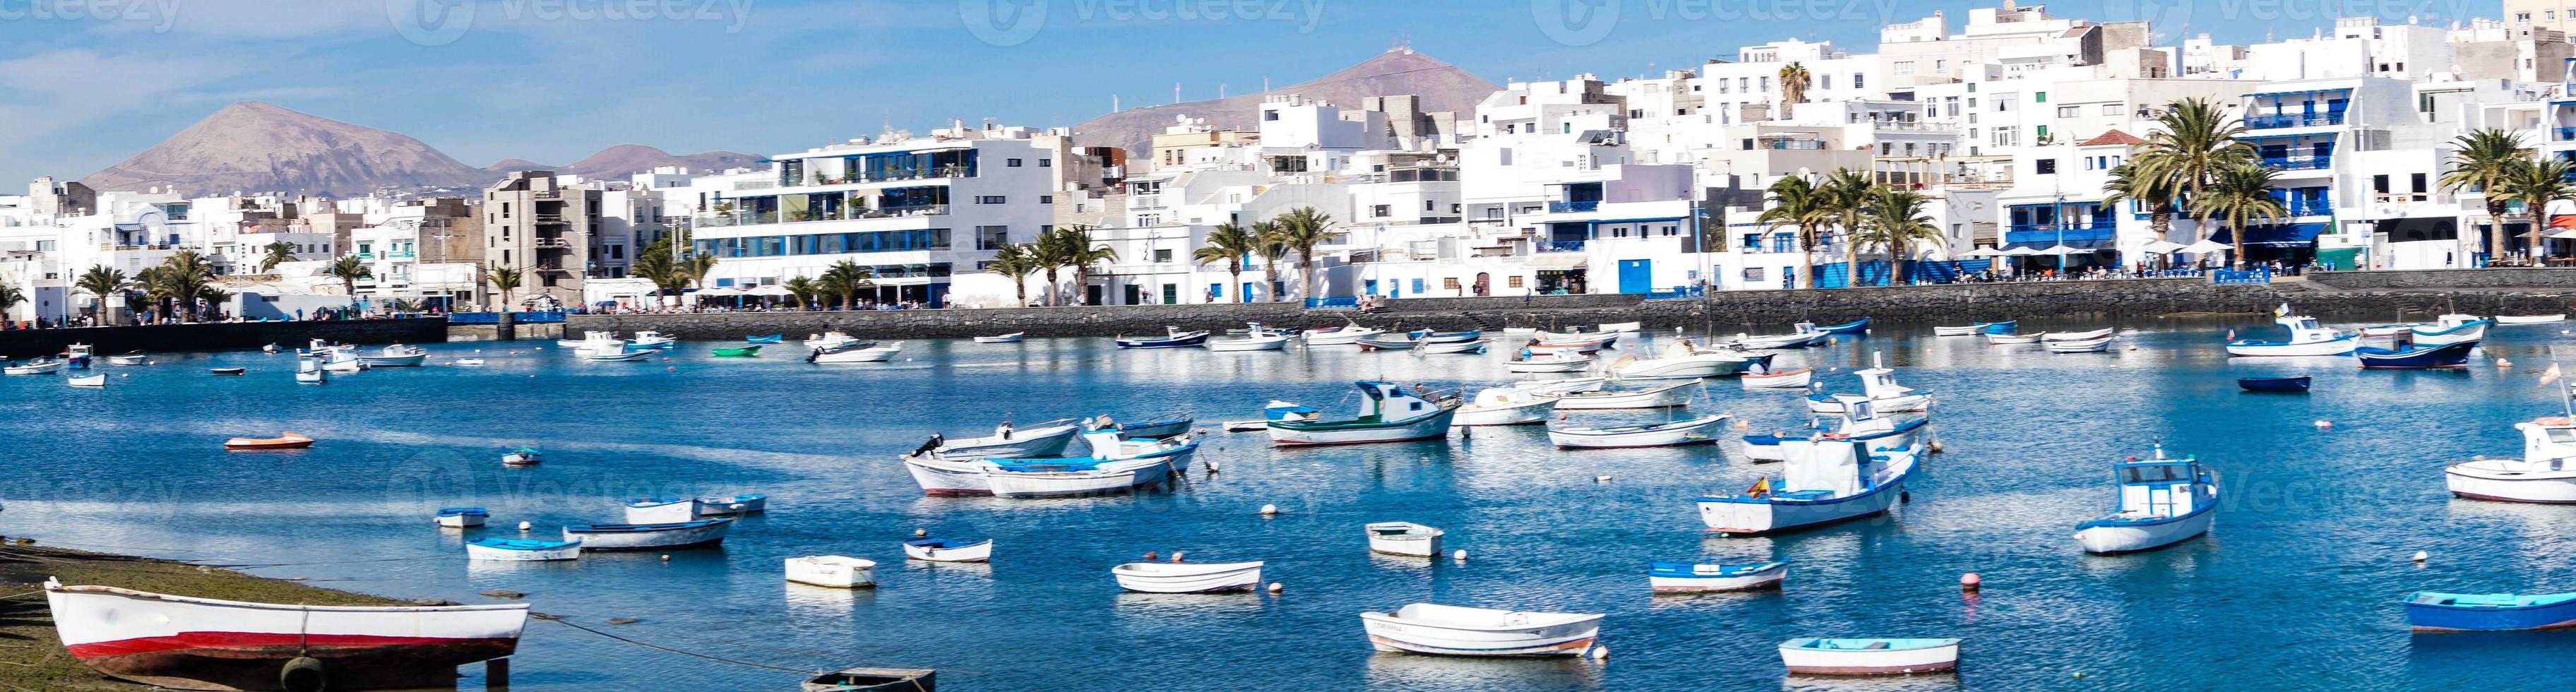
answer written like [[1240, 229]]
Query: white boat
[[1689, 432], [1426, 628], [1805, 336], [1387, 413], [2162, 502], [1621, 327], [2307, 338], [1506, 406], [1339, 336], [873, 354], [703, 532], [1859, 422], [2076, 336], [470, 362], [1824, 481], [649, 339], [1970, 330], [1404, 538], [1255, 339], [2084, 346], [1011, 338], [663, 510], [1815, 656], [593, 340], [1666, 577], [308, 370], [523, 456], [1176, 577], [1878, 385], [1677, 363], [1667, 396], [2531, 319], [93, 381], [343, 360], [134, 358], [1560, 386], [1450, 347], [37, 366], [832, 571], [178, 642], [943, 475], [1520, 331], [938, 550], [1041, 440], [1795, 378], [1571, 344], [462, 517], [621, 357], [1116, 466], [733, 505], [1549, 362], [828, 341], [2012, 339], [2451, 329], [1277, 410], [521, 550], [395, 356], [2545, 474]]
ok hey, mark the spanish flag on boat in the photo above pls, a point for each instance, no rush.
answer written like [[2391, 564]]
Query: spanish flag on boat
[[2550, 375], [1760, 488], [2283, 311]]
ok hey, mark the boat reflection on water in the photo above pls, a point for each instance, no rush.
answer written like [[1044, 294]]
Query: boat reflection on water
[[1177, 608], [1406, 671], [805, 601]]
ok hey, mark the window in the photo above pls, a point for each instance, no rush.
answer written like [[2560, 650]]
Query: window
[[1046, 163], [2111, 109], [2066, 111], [993, 199], [1904, 67], [1824, 81], [1273, 116], [1382, 211], [2046, 167], [1450, 283], [1429, 205], [1857, 82], [1014, 163], [2039, 97], [1046, 199], [1752, 273], [1516, 282], [1162, 256], [2419, 183]]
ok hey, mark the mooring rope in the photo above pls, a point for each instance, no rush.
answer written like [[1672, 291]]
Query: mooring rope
[[649, 645]]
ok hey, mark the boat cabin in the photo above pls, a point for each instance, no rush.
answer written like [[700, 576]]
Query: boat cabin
[[2551, 440], [1880, 383], [2159, 487], [1388, 401], [2304, 329]]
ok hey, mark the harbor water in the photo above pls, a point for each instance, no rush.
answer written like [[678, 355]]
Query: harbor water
[[2298, 587]]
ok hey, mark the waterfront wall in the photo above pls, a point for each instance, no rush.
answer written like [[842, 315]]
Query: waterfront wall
[[221, 336], [2446, 279]]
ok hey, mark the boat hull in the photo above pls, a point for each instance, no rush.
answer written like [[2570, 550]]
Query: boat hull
[[1109, 477], [1686, 433], [651, 536], [1666, 397], [832, 572], [1676, 368], [2450, 356], [1404, 539], [1552, 365], [522, 551], [203, 644], [1043, 442], [2113, 538], [1744, 515], [2268, 349], [1807, 661], [932, 551], [1529, 413], [1908, 403], [1153, 577], [1682, 581], [1786, 379], [1393, 634], [663, 512], [2274, 384], [2530, 319], [2425, 614], [733, 505], [408, 361], [1289, 434], [2508, 481], [939, 477], [2436, 336]]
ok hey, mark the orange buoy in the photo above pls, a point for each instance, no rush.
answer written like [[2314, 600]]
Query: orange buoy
[[1971, 582]]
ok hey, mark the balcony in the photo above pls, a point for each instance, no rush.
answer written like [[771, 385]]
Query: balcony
[[2310, 207], [1561, 246], [2562, 134], [1794, 144], [550, 219], [1573, 207], [2313, 162], [2274, 122], [552, 244], [2051, 234], [752, 185]]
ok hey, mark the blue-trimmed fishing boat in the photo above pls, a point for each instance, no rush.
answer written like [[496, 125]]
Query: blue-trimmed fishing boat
[[1431, 337], [2292, 385], [1825, 481], [1669, 577], [1860, 423], [462, 517], [2162, 502], [1388, 413], [2429, 611], [770, 339], [2451, 329], [689, 534], [1158, 427], [1173, 337], [521, 550], [2307, 338], [2446, 356], [1852, 327], [2004, 327]]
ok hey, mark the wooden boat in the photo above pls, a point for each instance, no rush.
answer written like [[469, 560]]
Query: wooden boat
[[1852, 327], [2077, 336], [1807, 335], [867, 354], [873, 680], [2004, 327], [1404, 538], [2274, 384], [1621, 327], [1817, 656], [1570, 344], [92, 381], [1669, 577], [462, 517], [1173, 337], [2162, 502], [1690, 432], [1667, 396], [1431, 337], [2448, 356], [523, 456], [1560, 386], [1795, 378], [2307, 338], [2431, 611], [689, 534], [1040, 440], [2546, 473], [1157, 427], [178, 642], [1386, 342], [315, 375], [663, 510], [1451, 347], [1860, 423], [1505, 406], [733, 505], [395, 356], [2449, 329], [1877, 385], [940, 475], [1426, 628], [620, 357], [1011, 338], [1970, 330], [1549, 362], [285, 440], [469, 362], [939, 550], [1174, 577], [129, 358], [593, 341], [1339, 336], [521, 550], [2531, 319], [227, 371], [1255, 340], [2011, 339], [36, 366], [769, 339], [1387, 413], [832, 571], [1824, 481], [649, 339], [1031, 478], [2083, 346], [833, 341], [751, 351]]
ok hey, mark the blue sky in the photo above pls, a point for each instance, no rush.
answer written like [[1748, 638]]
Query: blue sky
[[85, 83]]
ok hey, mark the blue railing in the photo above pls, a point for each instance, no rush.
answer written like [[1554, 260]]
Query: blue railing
[[2565, 134], [547, 317], [1561, 246], [2274, 122], [2300, 163], [2229, 276], [2312, 207], [1317, 303], [1677, 292], [1573, 207]]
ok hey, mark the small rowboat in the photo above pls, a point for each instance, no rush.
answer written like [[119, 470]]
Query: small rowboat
[[1158, 427], [469, 362], [1256, 340], [226, 371], [1852, 327], [937, 550], [1817, 656], [179, 642], [2011, 339], [1011, 338], [733, 505], [462, 517], [1505, 406], [1426, 628], [521, 550], [1450, 347], [1385, 342], [2083, 346], [287, 440], [751, 351], [2273, 384], [129, 358], [1339, 336], [1689, 432], [2075, 336], [2428, 611], [2004, 327], [663, 510], [1667, 577], [523, 456], [39, 366], [1574, 345], [1667, 396], [1550, 362], [1432, 337], [873, 680], [864, 354], [1799, 378], [1620, 327], [2531, 319], [770, 339], [1173, 337], [92, 381], [832, 571], [1168, 577], [627, 357], [2448, 356], [707, 532], [1970, 330], [1404, 538]]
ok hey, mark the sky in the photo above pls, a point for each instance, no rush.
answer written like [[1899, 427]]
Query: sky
[[86, 83]]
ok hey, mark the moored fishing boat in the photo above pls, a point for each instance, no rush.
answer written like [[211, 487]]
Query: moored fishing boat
[[129, 358], [521, 550], [1431, 337], [1852, 327], [1344, 335], [948, 476], [765, 339], [620, 357], [2077, 336], [1040, 440], [1620, 327], [594, 340], [34, 366], [1387, 413], [2307, 338], [308, 370], [2448, 356], [862, 354], [1678, 362], [948, 550], [1666, 396], [1427, 628], [1505, 406], [874, 680], [462, 517], [1173, 337], [1817, 656], [2531, 319], [1027, 478], [343, 360], [227, 371], [1859, 422], [1807, 335], [1530, 362], [1176, 577], [832, 571], [395, 356], [833, 341], [1155, 427], [2274, 384], [523, 456], [662, 510], [1794, 378], [2004, 327], [649, 339], [751, 351], [1688, 432], [1669, 577], [2162, 502], [1404, 538], [179, 642], [731, 505], [284, 440], [1970, 330], [2450, 329], [1878, 385], [2098, 345], [688, 534], [1560, 386], [2545, 474], [1011, 338], [2432, 611], [1254, 339], [1993, 339], [1824, 481], [78, 355], [92, 381], [1451, 347], [1386, 342]]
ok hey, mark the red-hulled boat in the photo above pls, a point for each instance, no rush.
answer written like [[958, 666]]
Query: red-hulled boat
[[185, 643]]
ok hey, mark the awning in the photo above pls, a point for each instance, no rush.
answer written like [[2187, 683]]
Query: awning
[[2275, 235], [770, 290], [1982, 252], [2162, 247], [2078, 246], [1558, 260], [2560, 235], [2206, 246], [2562, 221]]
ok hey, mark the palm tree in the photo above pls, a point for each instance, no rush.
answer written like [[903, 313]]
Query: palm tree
[[1051, 256], [2194, 141], [2243, 195], [1897, 222], [185, 278], [2482, 162], [505, 281], [800, 291], [1229, 243], [1793, 87], [99, 281], [1796, 204], [1082, 253], [2536, 184], [10, 297], [1845, 197], [279, 252], [145, 288], [1265, 235], [2159, 194], [847, 280], [1301, 229], [1017, 261], [349, 269], [696, 267]]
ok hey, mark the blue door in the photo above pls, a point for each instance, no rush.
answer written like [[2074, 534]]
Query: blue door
[[1636, 276], [1371, 288]]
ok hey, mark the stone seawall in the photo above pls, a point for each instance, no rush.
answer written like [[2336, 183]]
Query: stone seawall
[[222, 336], [2446, 279]]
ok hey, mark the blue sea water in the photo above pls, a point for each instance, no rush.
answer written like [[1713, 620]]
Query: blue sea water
[[2297, 588]]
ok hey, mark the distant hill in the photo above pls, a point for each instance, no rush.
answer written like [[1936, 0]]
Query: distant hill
[[1439, 85], [253, 146], [625, 159]]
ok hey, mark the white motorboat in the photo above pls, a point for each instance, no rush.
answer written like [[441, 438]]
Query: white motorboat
[[1177, 577], [92, 381], [1011, 338], [2012, 339], [1621, 327], [1424, 347], [521, 550], [1794, 378], [1387, 413], [703, 532], [2076, 336], [945, 476], [1878, 385], [872, 354], [830, 341], [133, 358], [2307, 338], [592, 340], [1824, 481], [2531, 319], [1339, 336], [2450, 329], [179, 642], [36, 366], [832, 571], [1679, 362], [469, 362], [1667, 577], [523, 456], [1689, 432], [395, 356], [1041, 440], [462, 517], [663, 510], [1814, 656], [308, 370], [1859, 422], [649, 339], [1506, 406], [1549, 362], [1254, 339], [2162, 502], [1426, 628], [1560, 386], [2083, 346], [343, 360], [1970, 330], [1806, 335], [1027, 478], [1404, 538], [1667, 396], [2545, 474], [733, 505], [948, 550]]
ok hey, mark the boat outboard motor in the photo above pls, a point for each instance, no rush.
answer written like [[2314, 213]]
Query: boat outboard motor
[[816, 355], [936, 441]]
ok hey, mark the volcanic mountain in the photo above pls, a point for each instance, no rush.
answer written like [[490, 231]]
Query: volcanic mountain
[[1439, 86]]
